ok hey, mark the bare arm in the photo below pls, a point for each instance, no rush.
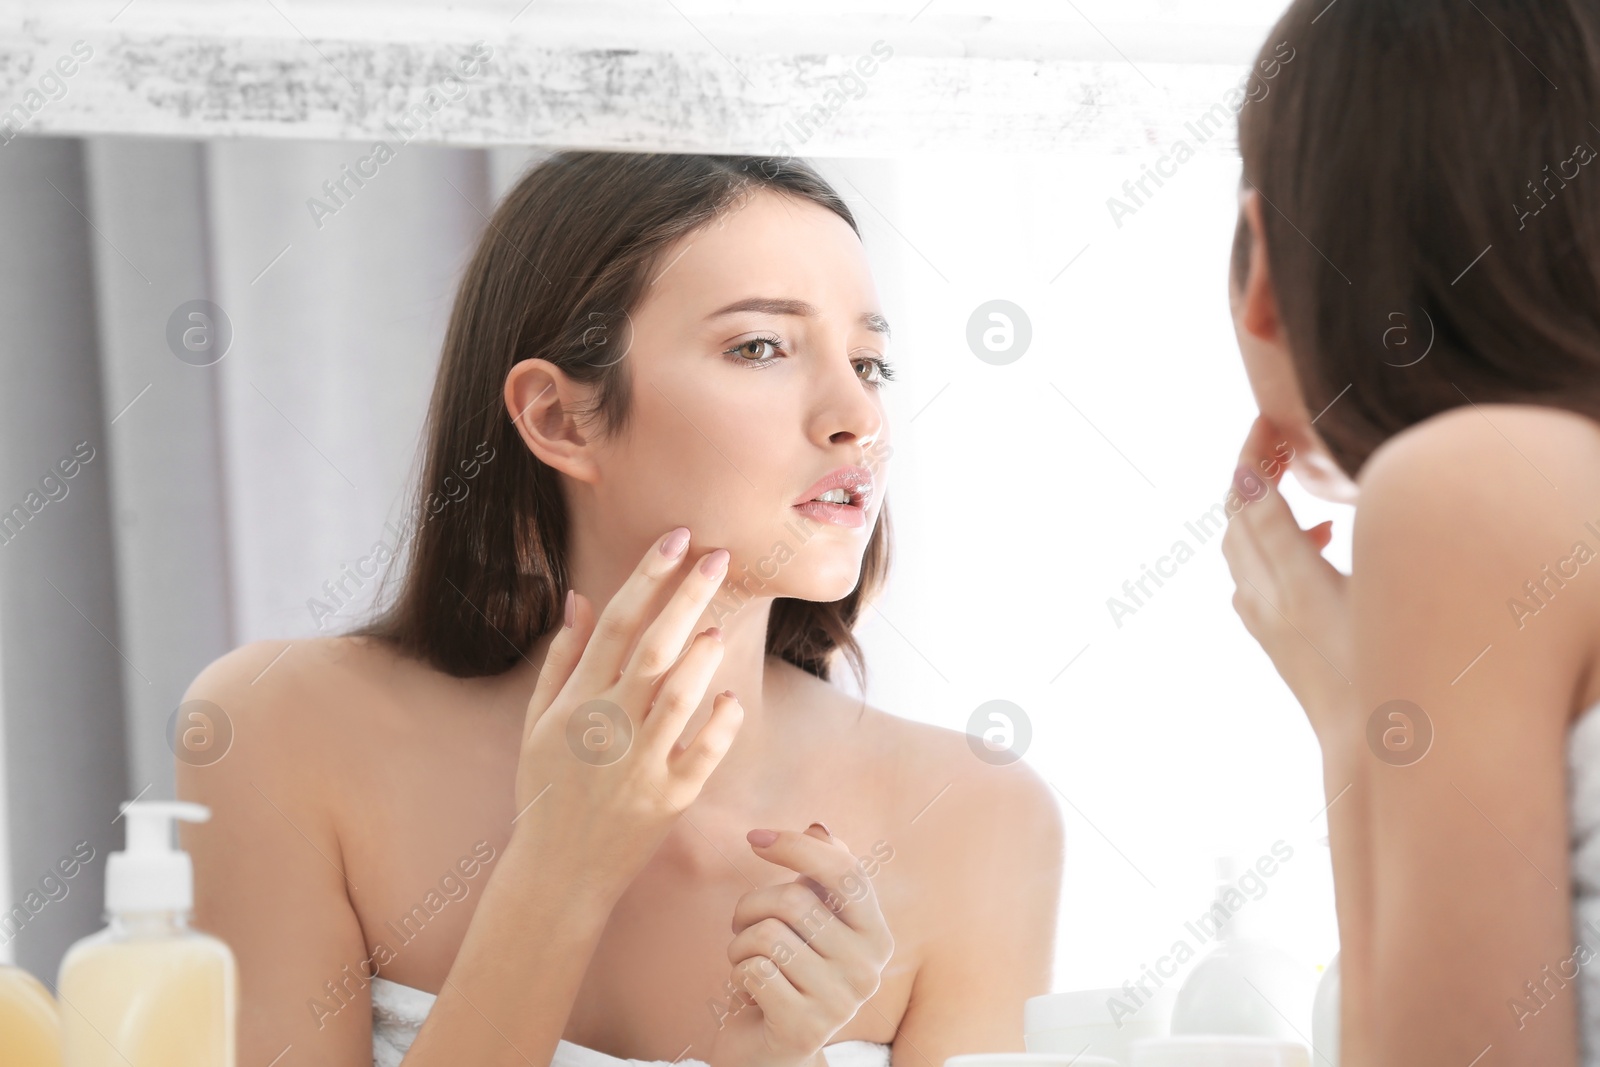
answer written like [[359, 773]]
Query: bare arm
[[512, 985], [1344, 779], [269, 876], [1450, 857], [273, 885], [1466, 895], [272, 882], [999, 892]]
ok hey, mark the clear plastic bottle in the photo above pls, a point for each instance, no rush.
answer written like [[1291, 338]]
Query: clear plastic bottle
[[1246, 984], [149, 991]]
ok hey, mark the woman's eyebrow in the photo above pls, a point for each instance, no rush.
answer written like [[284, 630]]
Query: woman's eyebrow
[[780, 306]]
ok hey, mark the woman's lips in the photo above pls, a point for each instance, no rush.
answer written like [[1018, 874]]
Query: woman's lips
[[856, 482], [838, 514]]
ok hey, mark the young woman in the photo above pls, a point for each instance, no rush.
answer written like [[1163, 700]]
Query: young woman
[[1416, 292], [584, 791]]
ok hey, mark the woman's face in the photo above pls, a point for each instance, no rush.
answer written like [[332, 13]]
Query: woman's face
[[1270, 368], [754, 357]]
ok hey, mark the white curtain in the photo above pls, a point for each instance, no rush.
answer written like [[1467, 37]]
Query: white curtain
[[218, 494]]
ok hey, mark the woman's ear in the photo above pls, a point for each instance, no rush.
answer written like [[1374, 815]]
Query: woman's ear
[[1258, 299], [544, 402]]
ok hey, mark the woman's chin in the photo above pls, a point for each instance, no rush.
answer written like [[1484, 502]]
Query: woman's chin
[[1323, 478], [823, 587]]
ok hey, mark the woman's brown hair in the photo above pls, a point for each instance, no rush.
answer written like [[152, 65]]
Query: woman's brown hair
[[566, 256], [1428, 177]]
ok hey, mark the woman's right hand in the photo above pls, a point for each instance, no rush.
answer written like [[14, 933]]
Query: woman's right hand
[[601, 762]]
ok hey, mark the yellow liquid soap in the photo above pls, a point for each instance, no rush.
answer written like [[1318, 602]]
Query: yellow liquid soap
[[148, 991], [30, 1026]]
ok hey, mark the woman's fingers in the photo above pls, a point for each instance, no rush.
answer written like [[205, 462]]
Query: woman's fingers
[[798, 930], [808, 973], [1267, 552], [682, 692], [602, 714], [1271, 526], [795, 952], [662, 641], [624, 616], [1252, 573], [847, 888], [762, 981], [1264, 511], [694, 760], [1246, 563], [801, 909], [1266, 516], [560, 658], [832, 963]]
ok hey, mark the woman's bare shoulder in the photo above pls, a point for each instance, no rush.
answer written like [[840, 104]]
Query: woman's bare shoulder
[[306, 667], [1471, 444], [989, 781], [974, 822], [926, 767], [1503, 483], [1472, 521], [300, 725], [299, 688]]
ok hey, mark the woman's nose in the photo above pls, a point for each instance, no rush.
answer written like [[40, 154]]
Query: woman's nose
[[851, 412]]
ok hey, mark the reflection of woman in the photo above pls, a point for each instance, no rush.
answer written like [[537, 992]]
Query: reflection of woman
[[691, 351], [1396, 177]]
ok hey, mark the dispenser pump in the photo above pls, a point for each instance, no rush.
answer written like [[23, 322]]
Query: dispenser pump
[[150, 874]]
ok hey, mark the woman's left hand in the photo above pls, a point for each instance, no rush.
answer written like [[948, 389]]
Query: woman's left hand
[[806, 954], [1294, 603]]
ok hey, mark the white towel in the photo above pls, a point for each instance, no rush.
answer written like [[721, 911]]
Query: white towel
[[1583, 796], [398, 1011]]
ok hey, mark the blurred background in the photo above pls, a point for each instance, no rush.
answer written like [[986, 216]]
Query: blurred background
[[230, 341]]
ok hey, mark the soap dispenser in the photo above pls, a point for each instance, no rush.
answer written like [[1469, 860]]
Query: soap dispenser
[[148, 990], [30, 1024]]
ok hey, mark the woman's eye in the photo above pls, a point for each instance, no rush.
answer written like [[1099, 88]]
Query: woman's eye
[[757, 347], [878, 370]]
